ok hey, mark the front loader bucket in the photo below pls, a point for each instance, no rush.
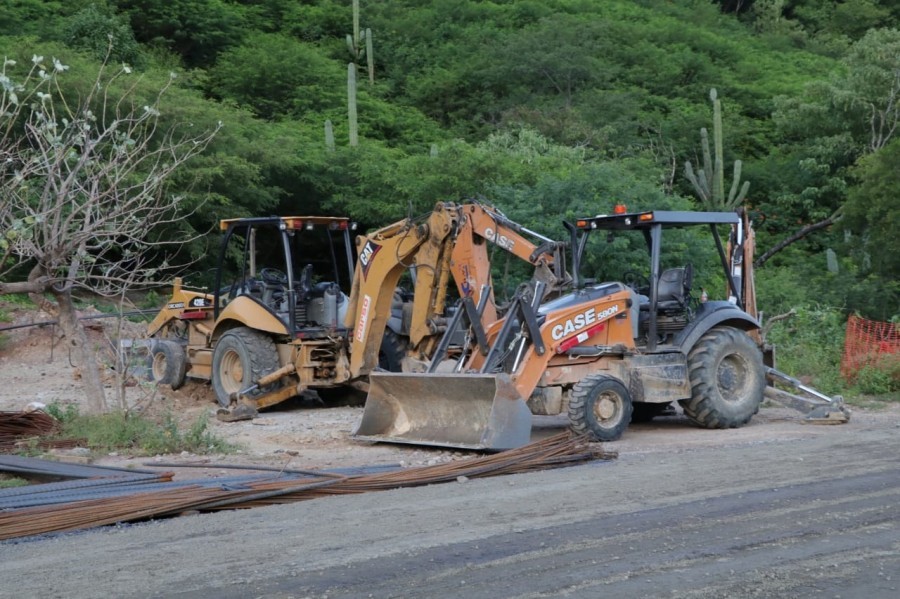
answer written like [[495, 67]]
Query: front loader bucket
[[471, 411]]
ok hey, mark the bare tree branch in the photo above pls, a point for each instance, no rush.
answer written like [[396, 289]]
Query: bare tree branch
[[797, 236], [84, 183]]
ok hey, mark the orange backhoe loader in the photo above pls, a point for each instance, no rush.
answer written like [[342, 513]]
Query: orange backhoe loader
[[605, 354], [297, 314]]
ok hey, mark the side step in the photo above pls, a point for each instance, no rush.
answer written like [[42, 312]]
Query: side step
[[818, 409]]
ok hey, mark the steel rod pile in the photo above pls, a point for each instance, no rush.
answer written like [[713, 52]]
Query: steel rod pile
[[211, 494], [15, 426]]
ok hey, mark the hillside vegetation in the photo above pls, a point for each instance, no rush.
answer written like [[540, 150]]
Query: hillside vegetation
[[549, 109]]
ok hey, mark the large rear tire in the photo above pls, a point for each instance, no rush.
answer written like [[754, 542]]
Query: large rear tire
[[600, 407], [168, 363], [241, 357], [727, 379]]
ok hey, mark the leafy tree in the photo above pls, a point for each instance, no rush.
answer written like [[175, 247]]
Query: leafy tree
[[851, 18], [868, 95], [83, 186], [29, 17], [856, 113], [196, 30], [317, 21], [873, 210], [276, 76], [95, 29]]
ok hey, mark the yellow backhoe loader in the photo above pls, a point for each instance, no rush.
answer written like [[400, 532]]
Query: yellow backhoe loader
[[604, 354], [297, 314]]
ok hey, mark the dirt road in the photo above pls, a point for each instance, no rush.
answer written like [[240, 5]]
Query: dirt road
[[805, 516]]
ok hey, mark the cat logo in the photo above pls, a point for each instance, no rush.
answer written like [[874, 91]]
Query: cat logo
[[365, 256]]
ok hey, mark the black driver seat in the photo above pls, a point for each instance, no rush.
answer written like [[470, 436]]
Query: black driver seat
[[674, 289]]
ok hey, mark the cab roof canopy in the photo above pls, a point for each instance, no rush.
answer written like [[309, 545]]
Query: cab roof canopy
[[666, 218], [289, 222]]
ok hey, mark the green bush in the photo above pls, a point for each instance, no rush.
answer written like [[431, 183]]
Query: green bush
[[810, 344], [880, 378], [136, 432], [17, 300], [62, 412]]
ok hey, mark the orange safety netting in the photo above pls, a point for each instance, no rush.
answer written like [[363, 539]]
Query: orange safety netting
[[868, 342]]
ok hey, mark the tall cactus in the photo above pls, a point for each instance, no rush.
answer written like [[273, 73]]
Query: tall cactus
[[359, 43], [351, 104], [353, 40], [370, 56], [709, 182]]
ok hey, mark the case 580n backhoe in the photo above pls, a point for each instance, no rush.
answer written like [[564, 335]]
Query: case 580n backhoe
[[605, 354], [298, 315]]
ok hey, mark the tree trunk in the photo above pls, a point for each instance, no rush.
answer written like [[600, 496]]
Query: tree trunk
[[82, 352]]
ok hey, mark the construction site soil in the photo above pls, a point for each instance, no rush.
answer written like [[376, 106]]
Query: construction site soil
[[774, 509], [307, 433]]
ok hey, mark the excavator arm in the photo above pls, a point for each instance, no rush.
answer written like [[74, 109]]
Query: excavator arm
[[452, 243], [470, 262], [383, 257]]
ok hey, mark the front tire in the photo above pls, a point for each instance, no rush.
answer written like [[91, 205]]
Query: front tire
[[727, 378], [241, 357], [168, 363], [600, 407]]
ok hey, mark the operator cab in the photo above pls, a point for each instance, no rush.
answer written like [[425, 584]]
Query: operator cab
[[661, 298], [299, 268]]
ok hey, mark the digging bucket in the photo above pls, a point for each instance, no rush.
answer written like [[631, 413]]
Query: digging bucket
[[470, 411]]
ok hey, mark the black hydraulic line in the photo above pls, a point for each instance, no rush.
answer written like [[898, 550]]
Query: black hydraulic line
[[95, 317]]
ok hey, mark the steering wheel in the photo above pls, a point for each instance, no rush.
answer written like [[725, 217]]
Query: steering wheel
[[635, 280], [273, 276]]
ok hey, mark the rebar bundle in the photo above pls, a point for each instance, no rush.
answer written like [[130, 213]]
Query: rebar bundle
[[16, 426], [143, 502]]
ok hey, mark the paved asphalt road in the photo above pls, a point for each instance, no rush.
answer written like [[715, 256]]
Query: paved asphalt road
[[811, 516], [832, 538]]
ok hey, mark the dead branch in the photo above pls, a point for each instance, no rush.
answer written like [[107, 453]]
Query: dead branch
[[808, 229]]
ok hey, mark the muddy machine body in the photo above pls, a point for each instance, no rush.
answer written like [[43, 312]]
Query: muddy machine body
[[603, 354]]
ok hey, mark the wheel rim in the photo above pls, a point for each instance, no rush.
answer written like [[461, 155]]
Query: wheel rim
[[159, 366], [732, 377], [607, 409], [231, 372]]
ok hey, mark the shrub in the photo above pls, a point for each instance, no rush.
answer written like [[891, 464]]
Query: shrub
[[810, 344], [137, 432], [880, 378]]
